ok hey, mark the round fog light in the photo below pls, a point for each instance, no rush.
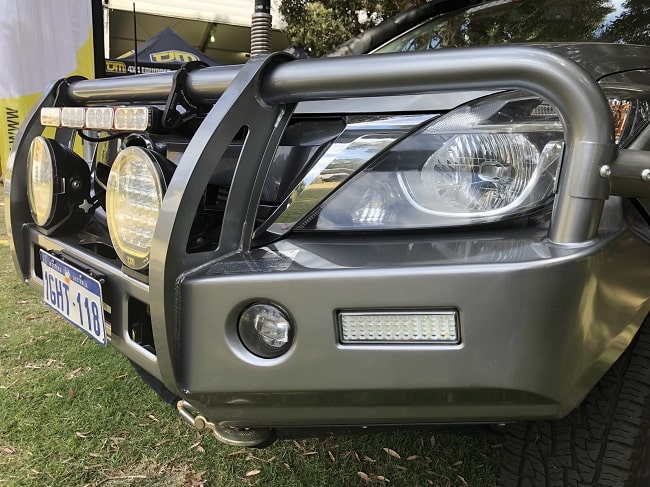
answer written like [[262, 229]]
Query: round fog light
[[265, 330]]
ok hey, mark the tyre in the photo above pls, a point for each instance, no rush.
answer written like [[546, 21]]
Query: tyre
[[603, 442]]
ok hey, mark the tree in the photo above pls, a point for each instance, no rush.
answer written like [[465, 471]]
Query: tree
[[632, 26], [321, 25]]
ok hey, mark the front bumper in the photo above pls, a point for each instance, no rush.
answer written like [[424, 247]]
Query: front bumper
[[539, 324]]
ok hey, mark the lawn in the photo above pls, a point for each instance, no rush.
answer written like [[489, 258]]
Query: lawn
[[75, 414]]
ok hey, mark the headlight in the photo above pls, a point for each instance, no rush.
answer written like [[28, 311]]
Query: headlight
[[491, 159], [134, 194], [58, 184], [362, 140]]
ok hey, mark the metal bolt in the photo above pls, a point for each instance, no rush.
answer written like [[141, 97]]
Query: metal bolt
[[199, 423], [605, 171], [76, 184], [645, 175]]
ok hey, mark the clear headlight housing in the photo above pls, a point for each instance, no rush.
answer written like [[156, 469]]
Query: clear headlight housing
[[134, 194], [492, 159]]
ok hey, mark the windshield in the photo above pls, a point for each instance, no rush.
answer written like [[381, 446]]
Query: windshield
[[512, 21]]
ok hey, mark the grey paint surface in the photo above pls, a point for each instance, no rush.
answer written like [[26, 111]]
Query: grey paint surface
[[539, 325]]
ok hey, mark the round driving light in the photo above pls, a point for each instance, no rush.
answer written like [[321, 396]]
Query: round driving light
[[134, 193], [265, 330], [58, 185], [40, 181]]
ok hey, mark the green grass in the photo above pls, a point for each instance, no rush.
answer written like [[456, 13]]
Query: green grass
[[74, 413], [307, 201]]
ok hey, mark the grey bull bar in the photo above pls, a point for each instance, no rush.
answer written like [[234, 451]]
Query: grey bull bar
[[262, 95]]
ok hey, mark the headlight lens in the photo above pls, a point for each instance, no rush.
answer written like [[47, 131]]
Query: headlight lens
[[486, 174], [134, 194], [40, 181], [491, 159], [363, 139]]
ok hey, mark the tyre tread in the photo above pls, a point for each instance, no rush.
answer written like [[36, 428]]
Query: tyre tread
[[601, 443]]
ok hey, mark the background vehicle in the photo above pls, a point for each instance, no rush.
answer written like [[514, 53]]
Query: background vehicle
[[461, 236]]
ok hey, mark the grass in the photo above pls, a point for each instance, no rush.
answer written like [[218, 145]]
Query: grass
[[307, 200], [73, 413]]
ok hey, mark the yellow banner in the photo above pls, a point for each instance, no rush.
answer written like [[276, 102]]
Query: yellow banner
[[12, 112], [41, 41]]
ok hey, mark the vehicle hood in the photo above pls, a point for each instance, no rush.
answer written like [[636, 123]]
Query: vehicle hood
[[598, 59]]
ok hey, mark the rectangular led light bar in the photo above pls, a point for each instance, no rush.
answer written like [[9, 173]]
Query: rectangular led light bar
[[440, 326], [99, 118], [73, 117], [51, 117], [134, 119]]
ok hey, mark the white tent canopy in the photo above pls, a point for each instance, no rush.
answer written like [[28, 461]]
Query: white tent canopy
[[232, 12], [220, 28]]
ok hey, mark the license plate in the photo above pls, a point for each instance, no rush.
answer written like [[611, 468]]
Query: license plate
[[74, 295]]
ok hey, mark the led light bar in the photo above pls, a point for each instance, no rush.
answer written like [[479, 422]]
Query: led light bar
[[399, 327], [131, 118], [73, 117], [136, 119], [51, 117], [99, 118]]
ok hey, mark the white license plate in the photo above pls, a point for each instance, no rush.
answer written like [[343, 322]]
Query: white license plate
[[75, 295]]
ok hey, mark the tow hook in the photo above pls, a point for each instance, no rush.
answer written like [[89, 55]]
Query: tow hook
[[240, 437]]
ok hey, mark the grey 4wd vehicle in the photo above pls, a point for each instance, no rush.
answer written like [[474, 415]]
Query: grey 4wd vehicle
[[451, 236]]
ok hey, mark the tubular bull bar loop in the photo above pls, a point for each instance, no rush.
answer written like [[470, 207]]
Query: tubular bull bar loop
[[260, 96], [576, 96]]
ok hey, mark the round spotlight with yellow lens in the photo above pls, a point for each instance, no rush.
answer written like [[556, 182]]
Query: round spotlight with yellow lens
[[135, 190], [41, 173], [58, 185]]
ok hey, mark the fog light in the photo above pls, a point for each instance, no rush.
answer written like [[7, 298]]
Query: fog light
[[265, 330], [399, 327]]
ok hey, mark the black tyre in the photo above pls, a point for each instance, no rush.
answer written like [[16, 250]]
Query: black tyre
[[604, 442]]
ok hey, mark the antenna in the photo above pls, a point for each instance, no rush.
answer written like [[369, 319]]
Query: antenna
[[135, 43], [261, 28]]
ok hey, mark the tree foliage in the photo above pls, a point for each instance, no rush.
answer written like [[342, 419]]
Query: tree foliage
[[633, 27], [549, 21], [321, 25]]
